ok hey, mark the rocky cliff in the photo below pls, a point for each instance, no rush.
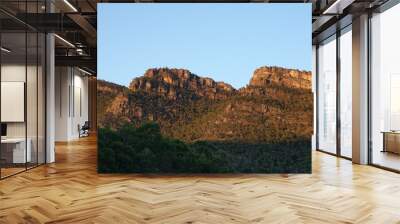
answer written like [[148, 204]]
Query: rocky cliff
[[275, 105], [178, 84], [290, 78]]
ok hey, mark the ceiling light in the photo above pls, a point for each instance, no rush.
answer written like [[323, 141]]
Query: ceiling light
[[65, 41], [5, 50], [84, 71], [70, 5], [79, 51], [337, 7], [331, 8]]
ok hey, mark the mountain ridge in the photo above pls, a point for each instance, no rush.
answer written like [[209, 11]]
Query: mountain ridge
[[276, 104], [169, 83]]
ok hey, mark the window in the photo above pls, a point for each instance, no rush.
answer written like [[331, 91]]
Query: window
[[346, 92], [327, 95], [385, 89]]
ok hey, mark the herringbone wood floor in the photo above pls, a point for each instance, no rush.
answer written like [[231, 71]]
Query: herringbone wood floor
[[70, 191]]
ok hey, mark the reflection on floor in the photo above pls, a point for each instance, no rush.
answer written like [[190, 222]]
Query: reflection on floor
[[8, 170], [387, 159], [71, 191]]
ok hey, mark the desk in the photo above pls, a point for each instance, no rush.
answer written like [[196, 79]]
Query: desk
[[391, 141], [15, 148]]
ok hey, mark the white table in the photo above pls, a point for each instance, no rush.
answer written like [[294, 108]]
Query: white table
[[19, 153]]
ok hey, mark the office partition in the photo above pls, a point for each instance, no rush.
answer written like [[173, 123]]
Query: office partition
[[22, 77]]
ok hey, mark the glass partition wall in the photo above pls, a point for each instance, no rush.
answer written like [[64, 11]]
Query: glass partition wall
[[334, 90], [385, 89], [334, 104], [22, 78], [13, 90], [327, 95]]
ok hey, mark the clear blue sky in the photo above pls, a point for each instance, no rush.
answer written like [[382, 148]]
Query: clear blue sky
[[226, 42]]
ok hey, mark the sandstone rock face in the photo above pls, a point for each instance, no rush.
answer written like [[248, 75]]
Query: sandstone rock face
[[275, 105], [118, 105], [291, 78], [176, 83]]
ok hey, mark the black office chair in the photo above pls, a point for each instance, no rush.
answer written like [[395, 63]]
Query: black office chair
[[84, 130]]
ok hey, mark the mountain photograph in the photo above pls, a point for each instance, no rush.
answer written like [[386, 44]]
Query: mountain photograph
[[208, 94], [200, 117]]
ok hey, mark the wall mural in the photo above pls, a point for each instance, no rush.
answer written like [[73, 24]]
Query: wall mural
[[219, 88]]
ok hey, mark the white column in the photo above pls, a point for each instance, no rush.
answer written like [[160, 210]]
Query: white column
[[360, 90], [50, 98], [62, 103]]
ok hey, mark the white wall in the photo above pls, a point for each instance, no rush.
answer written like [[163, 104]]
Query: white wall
[[71, 102], [61, 103], [80, 112], [12, 73]]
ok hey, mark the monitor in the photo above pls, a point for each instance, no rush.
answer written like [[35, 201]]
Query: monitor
[[3, 129]]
